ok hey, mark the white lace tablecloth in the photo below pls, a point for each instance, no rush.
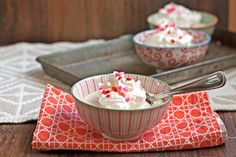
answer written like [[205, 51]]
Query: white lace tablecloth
[[22, 81]]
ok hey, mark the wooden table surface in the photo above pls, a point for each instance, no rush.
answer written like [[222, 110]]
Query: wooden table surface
[[15, 141]]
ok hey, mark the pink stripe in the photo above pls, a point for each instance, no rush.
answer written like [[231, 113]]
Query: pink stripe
[[94, 85], [89, 109], [102, 81], [130, 119], [82, 112], [153, 81], [146, 83], [109, 122], [82, 89], [84, 108], [88, 117], [160, 115], [87, 86], [99, 120], [153, 116], [76, 91], [140, 122], [150, 116], [158, 88], [151, 84], [119, 123]]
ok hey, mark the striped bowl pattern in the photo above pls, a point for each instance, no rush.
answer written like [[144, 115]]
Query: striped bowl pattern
[[119, 124]]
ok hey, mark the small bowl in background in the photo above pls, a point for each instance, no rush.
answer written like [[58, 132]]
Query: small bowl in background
[[163, 57], [117, 124], [207, 23]]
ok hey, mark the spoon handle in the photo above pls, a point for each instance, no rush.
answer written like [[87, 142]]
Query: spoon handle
[[208, 82]]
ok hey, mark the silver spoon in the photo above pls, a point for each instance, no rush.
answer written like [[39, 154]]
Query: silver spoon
[[207, 82]]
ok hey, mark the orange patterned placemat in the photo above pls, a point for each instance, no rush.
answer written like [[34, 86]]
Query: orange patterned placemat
[[189, 123]]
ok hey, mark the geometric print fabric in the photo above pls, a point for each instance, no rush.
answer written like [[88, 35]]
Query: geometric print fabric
[[189, 123]]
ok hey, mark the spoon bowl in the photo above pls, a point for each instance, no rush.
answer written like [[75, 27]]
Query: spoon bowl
[[207, 82]]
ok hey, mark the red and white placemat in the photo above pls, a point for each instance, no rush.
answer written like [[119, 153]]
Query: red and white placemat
[[189, 123]]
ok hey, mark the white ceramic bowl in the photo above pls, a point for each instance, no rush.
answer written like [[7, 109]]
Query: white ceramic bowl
[[163, 57], [118, 124]]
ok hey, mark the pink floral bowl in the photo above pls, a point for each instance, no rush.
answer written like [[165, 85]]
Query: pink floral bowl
[[173, 56], [117, 124]]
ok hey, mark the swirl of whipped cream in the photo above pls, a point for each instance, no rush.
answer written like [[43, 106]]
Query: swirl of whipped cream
[[122, 92], [182, 16], [167, 34]]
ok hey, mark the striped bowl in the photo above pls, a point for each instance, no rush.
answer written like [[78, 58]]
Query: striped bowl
[[118, 124]]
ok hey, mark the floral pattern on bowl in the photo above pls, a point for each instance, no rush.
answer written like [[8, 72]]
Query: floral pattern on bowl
[[171, 57]]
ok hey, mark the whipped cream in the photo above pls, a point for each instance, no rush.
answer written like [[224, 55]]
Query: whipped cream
[[182, 16], [167, 34], [122, 91]]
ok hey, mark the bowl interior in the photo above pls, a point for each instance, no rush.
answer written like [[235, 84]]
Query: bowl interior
[[199, 38], [208, 20], [89, 85]]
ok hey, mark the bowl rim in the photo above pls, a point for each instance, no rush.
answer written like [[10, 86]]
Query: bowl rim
[[120, 110], [214, 21], [136, 41]]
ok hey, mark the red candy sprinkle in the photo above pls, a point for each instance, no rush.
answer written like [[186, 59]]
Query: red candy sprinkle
[[172, 41], [114, 89], [172, 24], [117, 74], [105, 91], [160, 28], [171, 9], [127, 99], [125, 89], [119, 88], [101, 88], [108, 95], [122, 94], [128, 78], [119, 77]]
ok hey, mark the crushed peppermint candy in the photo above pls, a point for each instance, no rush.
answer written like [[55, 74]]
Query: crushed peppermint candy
[[168, 34], [181, 15], [121, 88]]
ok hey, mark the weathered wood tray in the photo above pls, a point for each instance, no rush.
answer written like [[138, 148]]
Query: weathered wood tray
[[118, 54]]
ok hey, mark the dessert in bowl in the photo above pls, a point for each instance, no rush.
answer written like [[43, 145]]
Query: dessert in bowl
[[114, 104], [184, 18], [168, 46]]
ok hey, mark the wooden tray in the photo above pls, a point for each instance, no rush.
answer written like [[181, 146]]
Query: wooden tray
[[118, 54]]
